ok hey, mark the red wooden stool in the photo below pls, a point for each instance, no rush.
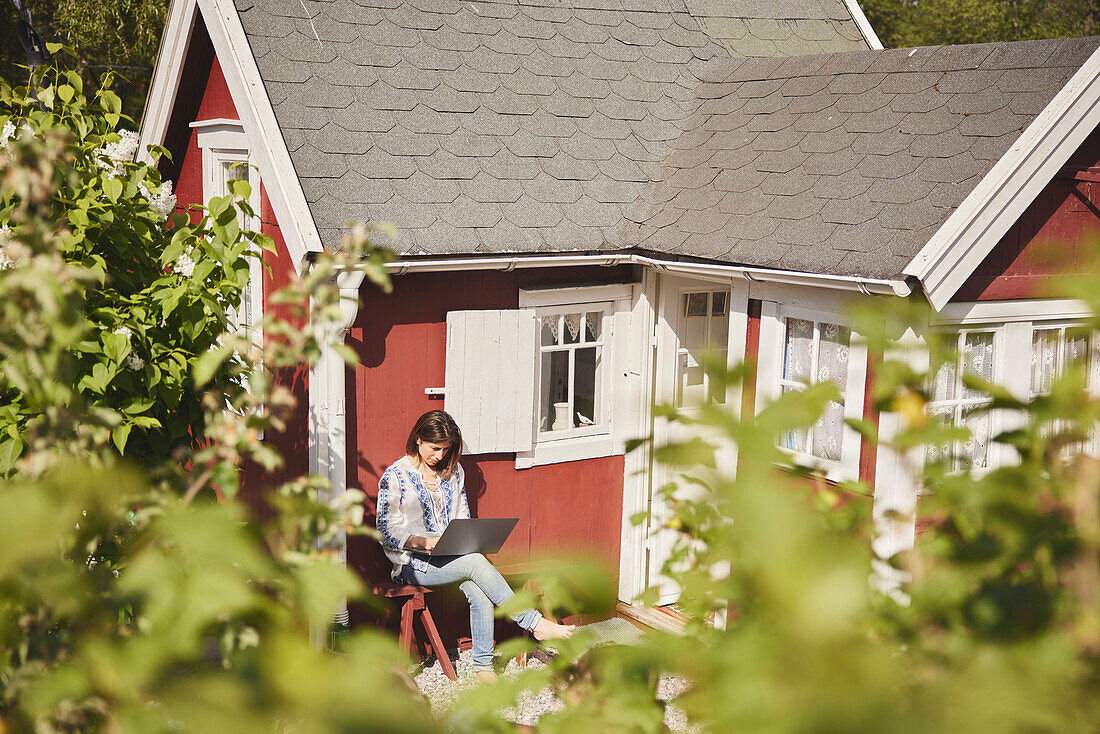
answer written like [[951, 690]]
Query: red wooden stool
[[414, 596]]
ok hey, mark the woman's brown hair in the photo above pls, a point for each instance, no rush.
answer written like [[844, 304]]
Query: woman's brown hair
[[437, 426]]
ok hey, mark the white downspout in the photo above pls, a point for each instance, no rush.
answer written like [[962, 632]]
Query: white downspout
[[328, 449]]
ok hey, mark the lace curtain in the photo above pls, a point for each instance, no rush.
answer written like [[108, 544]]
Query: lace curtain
[[832, 343]]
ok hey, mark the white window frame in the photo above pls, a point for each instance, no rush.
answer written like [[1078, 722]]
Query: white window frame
[[998, 420], [773, 328], [223, 141], [605, 439], [1014, 323]]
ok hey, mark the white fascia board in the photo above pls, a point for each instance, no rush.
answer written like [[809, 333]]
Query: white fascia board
[[249, 95], [863, 24], [167, 71], [284, 190], [990, 312], [983, 218], [713, 271]]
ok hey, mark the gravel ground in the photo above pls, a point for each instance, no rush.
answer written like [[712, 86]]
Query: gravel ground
[[443, 694]]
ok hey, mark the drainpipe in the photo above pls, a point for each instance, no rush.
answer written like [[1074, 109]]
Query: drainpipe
[[328, 449]]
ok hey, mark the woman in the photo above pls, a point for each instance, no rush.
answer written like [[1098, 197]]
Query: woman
[[417, 496]]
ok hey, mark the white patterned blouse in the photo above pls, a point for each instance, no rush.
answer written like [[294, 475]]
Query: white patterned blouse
[[406, 506]]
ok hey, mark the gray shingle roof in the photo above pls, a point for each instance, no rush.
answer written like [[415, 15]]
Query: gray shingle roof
[[850, 168], [503, 125], [582, 125]]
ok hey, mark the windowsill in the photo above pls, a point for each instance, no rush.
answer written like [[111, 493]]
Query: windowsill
[[832, 471], [568, 449]]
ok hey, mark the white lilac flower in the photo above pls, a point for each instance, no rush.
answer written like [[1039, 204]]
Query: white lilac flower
[[8, 133], [6, 241], [134, 362], [184, 265], [124, 331], [163, 202], [118, 152]]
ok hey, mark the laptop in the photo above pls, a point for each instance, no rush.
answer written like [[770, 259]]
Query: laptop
[[480, 535]]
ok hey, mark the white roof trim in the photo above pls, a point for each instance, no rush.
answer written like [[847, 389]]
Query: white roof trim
[[174, 42], [863, 24], [867, 286], [246, 87], [975, 228]]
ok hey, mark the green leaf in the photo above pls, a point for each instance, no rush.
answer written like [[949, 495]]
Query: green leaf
[[865, 428], [208, 364], [120, 435], [240, 188], [65, 92], [112, 187], [10, 450], [138, 405]]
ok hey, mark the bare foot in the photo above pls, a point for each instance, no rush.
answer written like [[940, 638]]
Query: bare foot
[[486, 676], [547, 630]]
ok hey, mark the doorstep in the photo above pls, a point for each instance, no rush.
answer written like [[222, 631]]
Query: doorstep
[[662, 619]]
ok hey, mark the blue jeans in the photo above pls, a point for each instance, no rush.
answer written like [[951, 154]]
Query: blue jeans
[[484, 587]]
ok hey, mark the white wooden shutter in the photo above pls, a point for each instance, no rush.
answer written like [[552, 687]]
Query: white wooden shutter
[[490, 379]]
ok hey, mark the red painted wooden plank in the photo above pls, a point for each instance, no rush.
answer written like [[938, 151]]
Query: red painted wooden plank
[[868, 456]]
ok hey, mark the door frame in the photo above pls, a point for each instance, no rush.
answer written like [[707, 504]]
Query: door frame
[[647, 545]]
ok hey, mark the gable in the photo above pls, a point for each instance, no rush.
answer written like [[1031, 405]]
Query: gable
[[1055, 235], [197, 32]]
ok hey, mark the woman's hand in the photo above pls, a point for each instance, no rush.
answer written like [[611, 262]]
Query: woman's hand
[[420, 543]]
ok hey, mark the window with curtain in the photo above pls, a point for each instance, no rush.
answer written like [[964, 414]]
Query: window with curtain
[[816, 352], [1055, 350], [572, 391], [954, 403]]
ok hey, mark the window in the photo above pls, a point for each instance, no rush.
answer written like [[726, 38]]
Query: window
[[954, 403], [225, 156], [705, 324], [1055, 350], [543, 381], [1024, 346], [572, 398], [801, 347], [816, 352]]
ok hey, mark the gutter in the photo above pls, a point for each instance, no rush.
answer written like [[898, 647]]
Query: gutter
[[867, 286]]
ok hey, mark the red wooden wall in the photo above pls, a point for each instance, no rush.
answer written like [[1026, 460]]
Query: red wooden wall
[[1053, 236], [204, 95], [401, 341]]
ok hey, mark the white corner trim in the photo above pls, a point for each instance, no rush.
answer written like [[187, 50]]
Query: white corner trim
[[863, 24], [991, 312], [975, 228]]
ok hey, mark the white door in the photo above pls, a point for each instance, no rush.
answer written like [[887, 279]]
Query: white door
[[694, 317]]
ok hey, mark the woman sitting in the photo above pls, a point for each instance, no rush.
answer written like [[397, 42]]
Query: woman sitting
[[418, 495]]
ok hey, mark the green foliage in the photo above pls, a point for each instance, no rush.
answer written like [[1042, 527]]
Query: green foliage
[[996, 630], [123, 36], [129, 599], [906, 23], [144, 292]]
